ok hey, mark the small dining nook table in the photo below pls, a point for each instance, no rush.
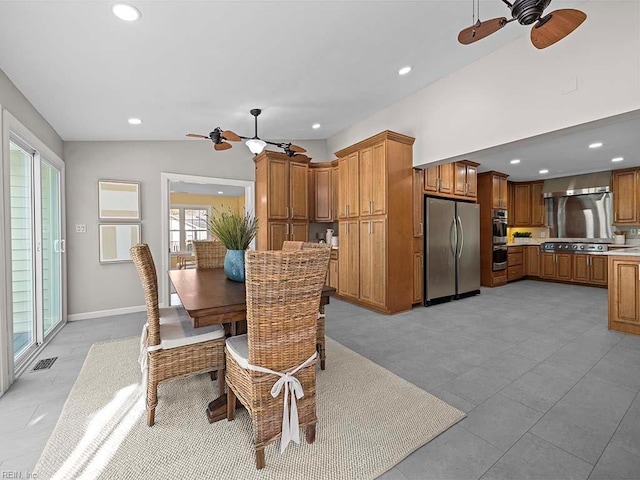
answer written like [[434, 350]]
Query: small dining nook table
[[211, 299]]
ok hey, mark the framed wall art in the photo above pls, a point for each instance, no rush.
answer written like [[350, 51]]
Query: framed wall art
[[115, 240], [118, 200]]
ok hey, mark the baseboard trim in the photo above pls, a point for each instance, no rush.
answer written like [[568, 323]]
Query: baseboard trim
[[105, 313]]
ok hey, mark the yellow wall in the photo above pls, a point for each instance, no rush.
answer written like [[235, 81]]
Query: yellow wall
[[217, 203]]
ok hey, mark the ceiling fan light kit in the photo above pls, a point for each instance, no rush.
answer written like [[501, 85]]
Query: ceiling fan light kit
[[547, 29], [255, 144]]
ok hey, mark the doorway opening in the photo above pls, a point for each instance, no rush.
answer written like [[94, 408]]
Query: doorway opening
[[188, 203]]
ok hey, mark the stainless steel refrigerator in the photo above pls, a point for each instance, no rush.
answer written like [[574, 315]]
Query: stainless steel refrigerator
[[452, 249]]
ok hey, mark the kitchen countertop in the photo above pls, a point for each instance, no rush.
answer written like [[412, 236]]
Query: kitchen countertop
[[627, 252]]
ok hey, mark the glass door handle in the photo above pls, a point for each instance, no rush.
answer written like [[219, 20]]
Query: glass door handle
[[63, 246]]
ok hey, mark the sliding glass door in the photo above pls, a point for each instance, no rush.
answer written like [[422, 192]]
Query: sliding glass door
[[37, 247], [23, 286], [53, 246]]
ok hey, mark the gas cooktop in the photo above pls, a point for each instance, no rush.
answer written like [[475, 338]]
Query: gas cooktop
[[573, 247]]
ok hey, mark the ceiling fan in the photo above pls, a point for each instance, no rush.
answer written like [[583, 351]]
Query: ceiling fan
[[221, 139], [548, 29]]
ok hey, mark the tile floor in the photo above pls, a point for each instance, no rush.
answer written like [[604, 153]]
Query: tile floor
[[550, 393]]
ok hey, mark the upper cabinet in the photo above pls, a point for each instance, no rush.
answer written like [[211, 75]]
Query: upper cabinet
[[465, 179], [324, 186], [457, 180], [348, 196], [499, 190], [373, 181], [625, 197], [526, 204]]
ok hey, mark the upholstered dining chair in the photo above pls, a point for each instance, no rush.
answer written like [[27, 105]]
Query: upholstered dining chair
[[209, 253], [320, 340], [170, 348], [278, 353], [291, 246]]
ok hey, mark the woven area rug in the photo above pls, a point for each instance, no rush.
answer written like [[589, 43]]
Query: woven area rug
[[368, 420]]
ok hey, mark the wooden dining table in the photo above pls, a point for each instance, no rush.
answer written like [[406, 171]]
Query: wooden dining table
[[211, 299]]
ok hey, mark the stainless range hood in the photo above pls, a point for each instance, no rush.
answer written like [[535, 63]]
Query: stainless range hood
[[580, 206], [577, 185]]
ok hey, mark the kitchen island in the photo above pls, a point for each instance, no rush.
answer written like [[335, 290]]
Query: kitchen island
[[624, 290]]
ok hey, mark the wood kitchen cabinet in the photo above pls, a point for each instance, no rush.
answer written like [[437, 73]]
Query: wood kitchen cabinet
[[624, 294], [373, 181], [590, 269], [324, 186], [556, 266], [334, 278], [521, 211], [532, 261], [465, 179], [538, 211], [510, 203], [349, 259], [499, 190], [373, 253], [439, 179], [377, 239], [418, 277], [515, 263], [349, 196], [526, 204], [418, 202], [625, 197], [282, 199]]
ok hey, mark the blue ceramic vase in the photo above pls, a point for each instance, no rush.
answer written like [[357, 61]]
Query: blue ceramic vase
[[234, 265]]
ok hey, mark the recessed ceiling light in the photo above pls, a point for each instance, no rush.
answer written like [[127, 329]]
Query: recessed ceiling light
[[596, 145], [404, 70], [125, 12], [220, 193], [515, 161], [134, 121], [543, 171], [617, 159], [315, 126]]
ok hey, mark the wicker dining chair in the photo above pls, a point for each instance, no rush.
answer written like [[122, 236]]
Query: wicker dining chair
[[209, 253], [283, 293], [320, 339], [291, 246], [170, 347]]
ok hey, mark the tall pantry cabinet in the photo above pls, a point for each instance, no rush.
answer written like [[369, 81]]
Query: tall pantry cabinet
[[376, 222], [282, 199]]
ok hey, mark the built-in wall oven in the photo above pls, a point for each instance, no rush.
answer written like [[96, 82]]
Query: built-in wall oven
[[499, 226], [499, 257]]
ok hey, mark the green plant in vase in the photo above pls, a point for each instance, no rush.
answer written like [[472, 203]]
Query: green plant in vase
[[235, 232], [517, 236]]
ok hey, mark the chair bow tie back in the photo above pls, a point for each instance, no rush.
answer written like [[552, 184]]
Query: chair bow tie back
[[292, 391]]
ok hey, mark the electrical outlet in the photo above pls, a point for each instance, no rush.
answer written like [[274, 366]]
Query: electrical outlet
[[81, 228], [543, 234], [633, 231]]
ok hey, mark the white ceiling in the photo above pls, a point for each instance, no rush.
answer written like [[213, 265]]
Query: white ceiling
[[567, 152], [190, 66]]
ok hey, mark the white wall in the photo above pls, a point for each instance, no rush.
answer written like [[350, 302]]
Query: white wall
[[12, 100], [94, 287], [516, 91]]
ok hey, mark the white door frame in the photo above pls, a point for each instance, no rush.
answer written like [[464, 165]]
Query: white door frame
[[11, 124], [166, 178]]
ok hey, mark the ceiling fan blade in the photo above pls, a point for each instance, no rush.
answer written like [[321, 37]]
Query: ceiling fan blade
[[302, 157], [555, 26], [196, 135], [481, 30], [231, 136], [222, 146], [296, 148]]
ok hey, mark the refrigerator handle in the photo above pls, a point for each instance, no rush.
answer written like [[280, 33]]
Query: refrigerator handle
[[454, 245], [461, 237]]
